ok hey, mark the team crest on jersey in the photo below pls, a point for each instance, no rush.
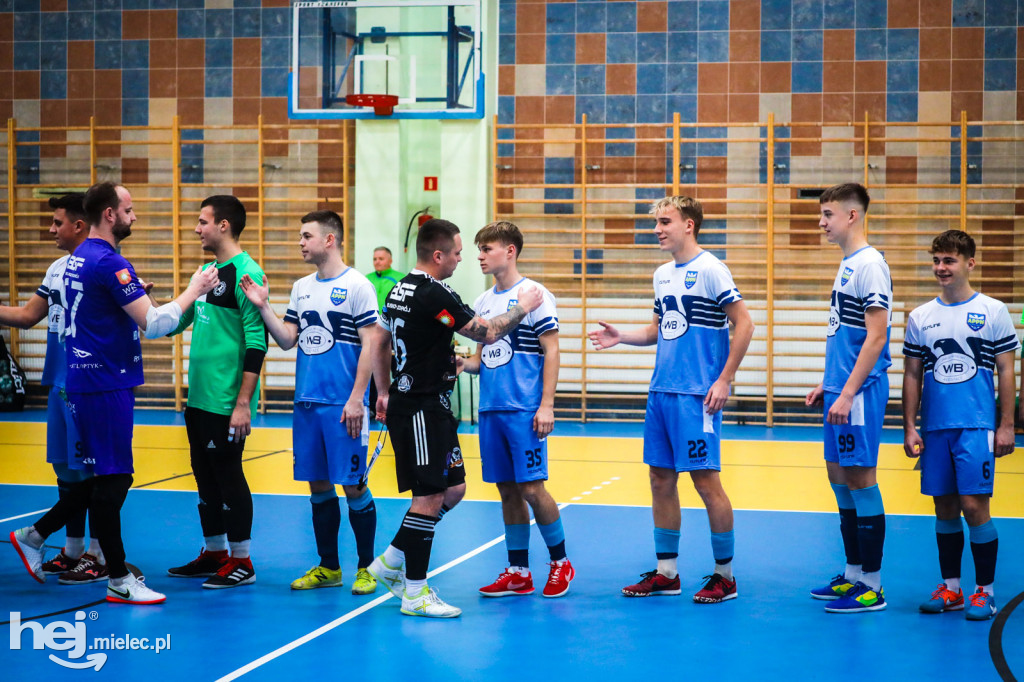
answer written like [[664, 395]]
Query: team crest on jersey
[[975, 320], [404, 383], [123, 276], [512, 304], [445, 318], [338, 295], [691, 278], [847, 274], [220, 289], [455, 458]]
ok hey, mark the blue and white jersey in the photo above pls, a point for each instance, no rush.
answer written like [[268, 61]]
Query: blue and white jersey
[[863, 282], [101, 339], [512, 368], [957, 345], [55, 368], [329, 314], [693, 331]]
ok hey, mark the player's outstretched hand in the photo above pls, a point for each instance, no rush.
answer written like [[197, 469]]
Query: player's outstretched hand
[[1004, 440], [530, 297], [147, 287], [913, 444], [257, 294], [352, 417], [605, 337], [815, 397], [203, 281]]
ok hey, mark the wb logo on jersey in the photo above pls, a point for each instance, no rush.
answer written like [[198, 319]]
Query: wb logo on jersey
[[315, 340], [691, 278], [497, 354], [338, 295], [954, 368], [847, 274], [975, 320]]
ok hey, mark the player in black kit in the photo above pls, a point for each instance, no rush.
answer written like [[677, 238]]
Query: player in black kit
[[422, 314]]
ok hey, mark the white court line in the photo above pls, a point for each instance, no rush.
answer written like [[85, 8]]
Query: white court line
[[21, 516], [294, 644]]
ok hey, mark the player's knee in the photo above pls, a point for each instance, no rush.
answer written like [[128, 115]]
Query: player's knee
[[454, 495], [111, 489], [976, 509], [663, 481], [532, 492]]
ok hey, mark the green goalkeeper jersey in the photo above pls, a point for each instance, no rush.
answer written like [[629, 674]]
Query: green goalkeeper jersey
[[226, 326]]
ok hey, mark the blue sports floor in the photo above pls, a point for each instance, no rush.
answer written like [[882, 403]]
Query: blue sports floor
[[774, 630]]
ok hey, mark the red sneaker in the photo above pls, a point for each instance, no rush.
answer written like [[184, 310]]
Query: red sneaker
[[562, 573], [203, 566], [61, 563], [653, 584], [716, 589], [509, 584]]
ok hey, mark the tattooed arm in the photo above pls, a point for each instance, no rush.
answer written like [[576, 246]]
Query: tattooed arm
[[489, 331]]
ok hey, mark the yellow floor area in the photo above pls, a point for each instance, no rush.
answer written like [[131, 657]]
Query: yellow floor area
[[764, 475]]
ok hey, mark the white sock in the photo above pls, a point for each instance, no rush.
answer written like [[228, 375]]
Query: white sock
[[952, 584], [216, 543], [240, 550], [521, 570], [117, 582], [394, 557], [94, 549], [414, 587], [990, 590], [852, 572], [668, 567], [74, 548], [872, 580], [724, 570], [33, 539]]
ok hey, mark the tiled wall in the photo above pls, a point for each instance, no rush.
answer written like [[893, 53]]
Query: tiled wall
[[140, 62], [715, 62]]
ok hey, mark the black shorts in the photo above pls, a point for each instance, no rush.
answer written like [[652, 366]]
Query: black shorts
[[428, 459]]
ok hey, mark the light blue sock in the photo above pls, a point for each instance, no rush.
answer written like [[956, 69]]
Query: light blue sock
[[722, 546], [666, 543]]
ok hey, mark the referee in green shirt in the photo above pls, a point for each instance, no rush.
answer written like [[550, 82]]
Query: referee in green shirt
[[383, 278]]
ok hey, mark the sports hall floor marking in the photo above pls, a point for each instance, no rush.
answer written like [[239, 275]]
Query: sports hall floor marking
[[21, 516], [324, 629], [596, 487]]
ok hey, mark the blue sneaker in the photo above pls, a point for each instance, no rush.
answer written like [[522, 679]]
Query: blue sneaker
[[983, 606], [859, 599], [836, 588]]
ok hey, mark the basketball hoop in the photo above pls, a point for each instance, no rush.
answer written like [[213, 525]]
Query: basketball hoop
[[383, 105]]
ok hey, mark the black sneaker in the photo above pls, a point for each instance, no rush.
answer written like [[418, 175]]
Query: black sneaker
[[61, 563], [87, 570], [203, 566], [233, 573]]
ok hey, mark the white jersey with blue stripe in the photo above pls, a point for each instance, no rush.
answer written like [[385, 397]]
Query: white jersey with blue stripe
[[55, 367], [957, 345], [329, 314], [863, 282], [512, 368], [693, 330]]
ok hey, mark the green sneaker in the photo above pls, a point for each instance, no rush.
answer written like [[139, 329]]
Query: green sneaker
[[365, 583], [318, 576]]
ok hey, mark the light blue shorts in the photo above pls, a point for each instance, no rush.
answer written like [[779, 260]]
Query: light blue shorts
[[679, 433], [856, 444], [958, 461], [510, 449], [322, 450]]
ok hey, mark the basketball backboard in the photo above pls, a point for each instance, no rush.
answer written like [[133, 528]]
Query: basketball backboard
[[427, 53]]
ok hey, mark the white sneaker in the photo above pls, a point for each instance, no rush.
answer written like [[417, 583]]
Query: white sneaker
[[133, 591], [391, 578], [31, 557], [428, 604]]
